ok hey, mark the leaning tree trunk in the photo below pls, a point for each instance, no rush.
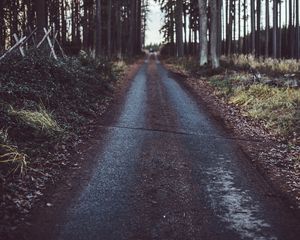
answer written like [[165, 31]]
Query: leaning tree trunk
[[203, 32], [214, 34]]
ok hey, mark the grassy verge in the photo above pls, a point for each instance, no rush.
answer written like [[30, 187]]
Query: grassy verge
[[265, 65], [277, 106]]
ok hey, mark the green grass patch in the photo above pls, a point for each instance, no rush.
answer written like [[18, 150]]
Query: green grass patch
[[277, 107]]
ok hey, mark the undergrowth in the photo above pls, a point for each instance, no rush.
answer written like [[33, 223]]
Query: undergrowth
[[277, 105], [283, 66], [44, 102]]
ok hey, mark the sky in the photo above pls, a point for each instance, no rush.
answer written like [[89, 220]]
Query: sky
[[155, 22]]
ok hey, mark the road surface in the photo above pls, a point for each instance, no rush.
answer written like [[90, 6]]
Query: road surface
[[168, 171]]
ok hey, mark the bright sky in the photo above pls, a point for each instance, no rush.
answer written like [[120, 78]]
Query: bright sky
[[155, 22]]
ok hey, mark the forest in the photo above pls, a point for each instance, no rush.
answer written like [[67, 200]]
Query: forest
[[105, 27], [206, 114], [257, 27]]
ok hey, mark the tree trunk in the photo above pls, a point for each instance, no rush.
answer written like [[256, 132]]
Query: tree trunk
[[132, 28], [297, 31], [258, 27], [98, 42], [179, 26], [203, 32], [119, 29], [109, 28], [290, 30], [274, 40], [252, 27], [267, 29], [139, 26], [2, 35], [239, 26], [40, 17], [85, 25], [214, 33], [245, 29], [63, 24]]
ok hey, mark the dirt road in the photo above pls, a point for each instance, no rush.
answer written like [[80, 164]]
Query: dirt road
[[168, 171]]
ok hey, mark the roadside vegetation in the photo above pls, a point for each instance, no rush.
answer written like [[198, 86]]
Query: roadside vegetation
[[43, 101], [46, 108], [264, 89]]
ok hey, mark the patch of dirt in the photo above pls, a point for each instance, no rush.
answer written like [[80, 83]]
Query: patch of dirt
[[274, 157]]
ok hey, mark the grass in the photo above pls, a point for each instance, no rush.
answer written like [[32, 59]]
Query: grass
[[40, 120], [10, 155], [277, 107], [284, 66], [185, 64]]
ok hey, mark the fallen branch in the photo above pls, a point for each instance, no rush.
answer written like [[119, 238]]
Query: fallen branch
[[17, 44]]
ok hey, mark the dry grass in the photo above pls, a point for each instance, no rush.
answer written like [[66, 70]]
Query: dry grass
[[10, 155], [277, 107], [40, 120], [184, 65], [276, 65]]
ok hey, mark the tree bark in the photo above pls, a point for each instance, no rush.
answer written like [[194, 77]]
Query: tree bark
[[119, 29], [297, 31], [258, 27], [274, 40], [109, 28], [179, 26], [267, 29], [2, 35], [252, 27], [41, 17], [203, 32], [132, 28], [98, 43], [214, 33]]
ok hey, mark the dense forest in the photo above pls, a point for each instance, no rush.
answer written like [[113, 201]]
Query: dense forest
[[258, 27], [105, 27], [115, 27]]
